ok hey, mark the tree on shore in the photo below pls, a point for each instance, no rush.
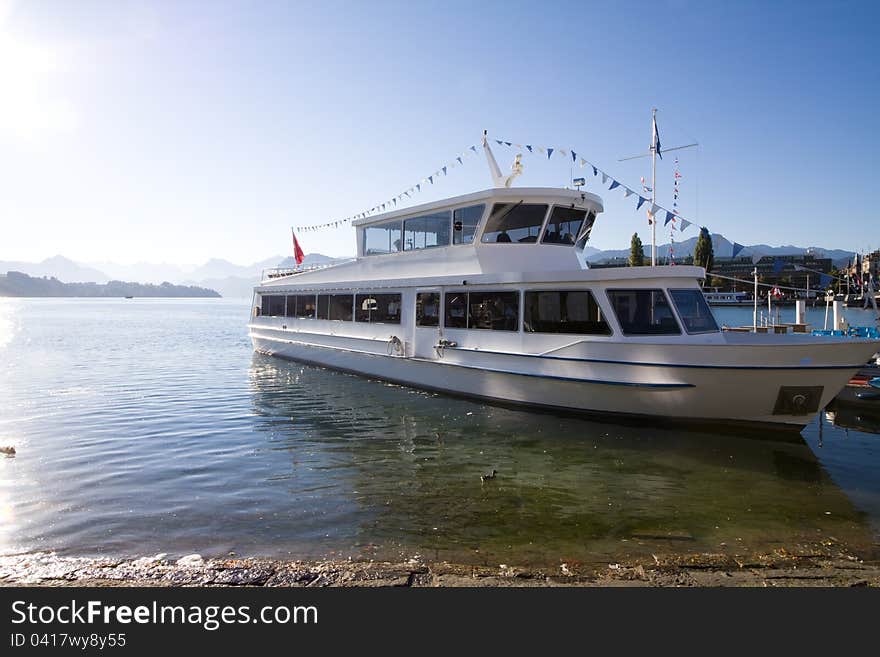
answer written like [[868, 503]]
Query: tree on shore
[[704, 255], [636, 251]]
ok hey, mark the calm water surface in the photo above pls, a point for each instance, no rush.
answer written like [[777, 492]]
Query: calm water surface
[[147, 426]]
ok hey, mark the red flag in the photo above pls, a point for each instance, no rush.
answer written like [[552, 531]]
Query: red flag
[[297, 250]]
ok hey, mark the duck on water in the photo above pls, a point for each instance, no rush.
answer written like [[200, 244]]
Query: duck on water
[[489, 295]]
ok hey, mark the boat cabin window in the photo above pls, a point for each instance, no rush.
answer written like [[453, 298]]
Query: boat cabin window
[[340, 307], [378, 308], [273, 305], [426, 231], [465, 222], [585, 230], [323, 306], [514, 223], [384, 238], [694, 311], [428, 309], [563, 311], [564, 226], [643, 312], [497, 311], [301, 305]]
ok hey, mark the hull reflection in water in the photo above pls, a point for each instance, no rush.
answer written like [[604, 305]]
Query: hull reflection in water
[[401, 468]]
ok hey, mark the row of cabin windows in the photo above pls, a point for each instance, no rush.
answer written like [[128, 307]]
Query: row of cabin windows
[[424, 232], [374, 308], [638, 311], [507, 223]]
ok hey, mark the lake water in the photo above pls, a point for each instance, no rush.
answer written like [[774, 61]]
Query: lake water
[[147, 426]]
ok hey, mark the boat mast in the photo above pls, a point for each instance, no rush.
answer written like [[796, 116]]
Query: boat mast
[[653, 185]]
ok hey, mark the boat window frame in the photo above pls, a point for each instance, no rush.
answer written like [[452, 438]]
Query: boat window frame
[[376, 293], [681, 320], [441, 309], [546, 225], [662, 291], [517, 328], [593, 295], [548, 205]]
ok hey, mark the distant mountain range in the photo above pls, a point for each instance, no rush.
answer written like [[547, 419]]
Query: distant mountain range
[[723, 248], [232, 280], [17, 284]]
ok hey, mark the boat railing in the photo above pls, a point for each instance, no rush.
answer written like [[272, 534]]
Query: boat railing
[[281, 272]]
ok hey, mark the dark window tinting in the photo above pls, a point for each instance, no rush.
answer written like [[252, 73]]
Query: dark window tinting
[[498, 311], [456, 310], [464, 223], [694, 311], [276, 306], [264, 305], [378, 308], [323, 306], [570, 311], [514, 222], [643, 312], [340, 306], [301, 305], [564, 226], [428, 309]]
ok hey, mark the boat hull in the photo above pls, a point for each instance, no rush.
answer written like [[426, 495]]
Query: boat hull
[[731, 395]]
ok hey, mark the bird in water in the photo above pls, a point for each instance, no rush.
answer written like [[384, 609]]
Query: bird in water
[[487, 477]]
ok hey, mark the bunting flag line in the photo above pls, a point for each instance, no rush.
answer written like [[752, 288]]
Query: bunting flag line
[[736, 249], [470, 151], [672, 215]]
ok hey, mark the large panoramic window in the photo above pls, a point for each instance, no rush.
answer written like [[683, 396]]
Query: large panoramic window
[[384, 238], [514, 223], [643, 312], [273, 306], [694, 311], [301, 305], [427, 231], [377, 308], [564, 311], [428, 309], [498, 311], [564, 226], [465, 222], [340, 306]]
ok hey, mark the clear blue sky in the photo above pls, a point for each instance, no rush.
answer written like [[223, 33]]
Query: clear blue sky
[[178, 131]]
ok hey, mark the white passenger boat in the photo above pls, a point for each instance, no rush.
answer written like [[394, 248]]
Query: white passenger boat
[[489, 296], [729, 299]]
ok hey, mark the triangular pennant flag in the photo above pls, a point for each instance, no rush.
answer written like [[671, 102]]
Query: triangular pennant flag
[[474, 149], [459, 159], [507, 143], [499, 142], [669, 217], [549, 153], [736, 249], [518, 145], [642, 199], [604, 178], [756, 257], [529, 146], [563, 151], [654, 209], [431, 179], [395, 202], [614, 184], [541, 149], [574, 157], [419, 187], [595, 171], [627, 192], [444, 171]]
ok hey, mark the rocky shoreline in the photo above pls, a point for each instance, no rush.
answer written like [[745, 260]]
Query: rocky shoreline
[[821, 565]]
